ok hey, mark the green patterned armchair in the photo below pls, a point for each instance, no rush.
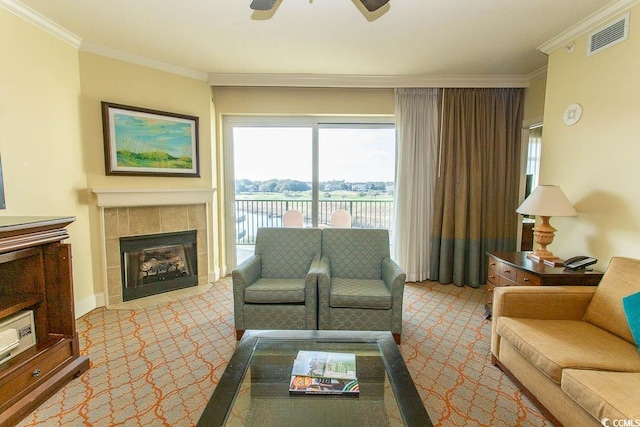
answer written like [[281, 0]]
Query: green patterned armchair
[[276, 288], [359, 286]]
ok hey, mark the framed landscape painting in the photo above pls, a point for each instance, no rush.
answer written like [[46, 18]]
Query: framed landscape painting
[[139, 141]]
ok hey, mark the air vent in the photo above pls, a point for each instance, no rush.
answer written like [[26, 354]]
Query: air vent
[[609, 35]]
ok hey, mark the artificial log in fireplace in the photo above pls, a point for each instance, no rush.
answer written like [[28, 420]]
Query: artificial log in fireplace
[[157, 263]]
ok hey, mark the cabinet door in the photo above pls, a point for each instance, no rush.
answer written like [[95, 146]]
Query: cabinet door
[[59, 286]]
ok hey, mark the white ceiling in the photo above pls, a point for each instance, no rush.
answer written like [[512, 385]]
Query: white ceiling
[[325, 37]]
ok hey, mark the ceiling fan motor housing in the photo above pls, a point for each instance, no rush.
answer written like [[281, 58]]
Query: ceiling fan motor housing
[[262, 4], [370, 5], [373, 5]]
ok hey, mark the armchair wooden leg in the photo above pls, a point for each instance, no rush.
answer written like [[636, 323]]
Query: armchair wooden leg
[[396, 338], [239, 333]]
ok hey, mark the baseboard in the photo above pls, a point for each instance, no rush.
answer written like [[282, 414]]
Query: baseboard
[[89, 303]]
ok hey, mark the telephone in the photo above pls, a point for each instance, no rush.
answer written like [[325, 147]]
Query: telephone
[[579, 262]]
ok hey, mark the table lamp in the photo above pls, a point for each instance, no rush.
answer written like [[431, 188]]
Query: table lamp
[[545, 201]]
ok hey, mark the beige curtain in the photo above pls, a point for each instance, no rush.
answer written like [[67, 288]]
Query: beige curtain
[[417, 147], [477, 185]]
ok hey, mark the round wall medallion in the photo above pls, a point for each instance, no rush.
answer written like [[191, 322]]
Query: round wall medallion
[[572, 114]]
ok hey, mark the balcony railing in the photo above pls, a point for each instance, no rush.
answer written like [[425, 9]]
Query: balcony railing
[[253, 214]]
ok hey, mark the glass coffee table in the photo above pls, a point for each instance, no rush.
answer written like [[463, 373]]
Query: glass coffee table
[[254, 388]]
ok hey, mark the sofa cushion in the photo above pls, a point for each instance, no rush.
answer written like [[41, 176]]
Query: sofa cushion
[[603, 394], [605, 309], [275, 291], [631, 306], [359, 293], [553, 345]]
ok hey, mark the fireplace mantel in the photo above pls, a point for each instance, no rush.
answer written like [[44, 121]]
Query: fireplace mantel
[[119, 197]]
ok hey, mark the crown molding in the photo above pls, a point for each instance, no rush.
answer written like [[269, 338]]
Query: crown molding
[[26, 13], [364, 80], [587, 24], [537, 75], [140, 60]]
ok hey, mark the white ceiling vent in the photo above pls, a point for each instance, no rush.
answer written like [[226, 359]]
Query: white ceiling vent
[[609, 35]]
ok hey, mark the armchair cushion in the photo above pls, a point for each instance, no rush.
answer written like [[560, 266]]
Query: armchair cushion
[[275, 291], [553, 345], [287, 253], [355, 253], [359, 293]]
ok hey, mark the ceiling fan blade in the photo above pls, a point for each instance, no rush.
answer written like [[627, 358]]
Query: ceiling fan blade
[[263, 4], [373, 5]]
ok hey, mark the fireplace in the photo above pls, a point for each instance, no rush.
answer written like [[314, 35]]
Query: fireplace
[[157, 263]]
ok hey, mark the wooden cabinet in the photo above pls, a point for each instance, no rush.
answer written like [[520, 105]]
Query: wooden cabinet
[[36, 274], [515, 269]]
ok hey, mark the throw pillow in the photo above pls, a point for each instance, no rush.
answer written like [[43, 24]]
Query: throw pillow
[[631, 306]]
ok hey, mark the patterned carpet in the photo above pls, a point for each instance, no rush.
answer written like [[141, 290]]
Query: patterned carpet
[[158, 366]]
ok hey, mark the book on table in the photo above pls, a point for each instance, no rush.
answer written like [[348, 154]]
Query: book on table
[[323, 372]]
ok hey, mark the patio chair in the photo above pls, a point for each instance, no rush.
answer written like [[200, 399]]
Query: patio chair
[[340, 219], [276, 287], [292, 219]]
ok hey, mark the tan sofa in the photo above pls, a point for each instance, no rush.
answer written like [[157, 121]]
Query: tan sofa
[[570, 349]]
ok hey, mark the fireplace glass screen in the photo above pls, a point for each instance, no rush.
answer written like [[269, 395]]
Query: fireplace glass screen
[[157, 263]]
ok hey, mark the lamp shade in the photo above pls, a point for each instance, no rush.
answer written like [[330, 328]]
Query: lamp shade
[[547, 200]]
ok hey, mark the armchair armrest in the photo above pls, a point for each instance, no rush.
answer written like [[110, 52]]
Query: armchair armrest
[[323, 269], [247, 272], [242, 276], [539, 302], [311, 293], [392, 274], [394, 278]]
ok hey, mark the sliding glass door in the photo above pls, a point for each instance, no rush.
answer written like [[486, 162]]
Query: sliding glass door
[[356, 173], [315, 166]]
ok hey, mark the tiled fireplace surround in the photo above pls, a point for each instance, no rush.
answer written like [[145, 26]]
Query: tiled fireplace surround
[[156, 214]]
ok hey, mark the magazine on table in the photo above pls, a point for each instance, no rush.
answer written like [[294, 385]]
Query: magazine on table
[[311, 385], [324, 372], [325, 364]]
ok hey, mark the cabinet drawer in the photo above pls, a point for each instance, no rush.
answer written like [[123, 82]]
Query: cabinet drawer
[[527, 279], [493, 265], [493, 278], [507, 271], [34, 371]]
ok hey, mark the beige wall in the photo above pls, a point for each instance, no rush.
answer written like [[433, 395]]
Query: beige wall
[[41, 147], [596, 160], [290, 101], [106, 79], [534, 101]]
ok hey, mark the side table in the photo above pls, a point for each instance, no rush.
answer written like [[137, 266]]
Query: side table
[[515, 269]]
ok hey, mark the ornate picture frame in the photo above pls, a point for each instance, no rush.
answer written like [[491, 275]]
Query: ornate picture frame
[[141, 141]]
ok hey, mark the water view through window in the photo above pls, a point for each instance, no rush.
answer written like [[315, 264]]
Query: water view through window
[[275, 171]]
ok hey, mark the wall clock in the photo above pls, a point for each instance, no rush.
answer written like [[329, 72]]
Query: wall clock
[[572, 114]]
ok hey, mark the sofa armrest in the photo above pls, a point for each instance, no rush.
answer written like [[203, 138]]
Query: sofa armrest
[[538, 302]]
